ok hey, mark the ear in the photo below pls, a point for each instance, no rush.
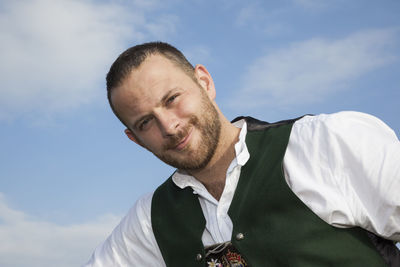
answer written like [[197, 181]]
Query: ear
[[205, 80], [131, 136]]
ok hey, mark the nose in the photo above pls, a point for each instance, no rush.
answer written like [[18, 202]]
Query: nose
[[168, 123]]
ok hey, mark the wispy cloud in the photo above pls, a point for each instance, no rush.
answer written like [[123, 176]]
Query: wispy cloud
[[266, 19], [309, 71], [248, 13], [199, 54], [55, 53], [313, 4], [34, 243]]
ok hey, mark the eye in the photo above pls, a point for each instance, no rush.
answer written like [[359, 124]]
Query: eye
[[144, 123], [171, 99]]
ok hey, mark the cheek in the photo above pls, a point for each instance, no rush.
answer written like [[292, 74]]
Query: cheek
[[188, 107], [151, 140]]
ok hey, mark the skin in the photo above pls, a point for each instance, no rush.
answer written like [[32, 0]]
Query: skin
[[168, 113]]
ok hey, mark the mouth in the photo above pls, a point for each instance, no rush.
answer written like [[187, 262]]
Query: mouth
[[182, 144]]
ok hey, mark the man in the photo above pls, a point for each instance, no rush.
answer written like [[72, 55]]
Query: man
[[314, 191]]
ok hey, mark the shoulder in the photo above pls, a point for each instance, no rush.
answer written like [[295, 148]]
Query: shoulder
[[342, 132], [141, 209], [340, 141], [132, 242], [345, 122], [135, 227], [138, 219]]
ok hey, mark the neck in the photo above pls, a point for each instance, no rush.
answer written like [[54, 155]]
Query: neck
[[213, 176]]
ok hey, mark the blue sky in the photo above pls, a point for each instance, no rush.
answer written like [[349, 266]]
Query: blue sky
[[67, 171]]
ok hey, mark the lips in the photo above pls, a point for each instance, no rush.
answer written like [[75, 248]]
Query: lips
[[182, 144]]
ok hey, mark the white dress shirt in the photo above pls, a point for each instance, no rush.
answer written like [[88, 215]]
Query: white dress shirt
[[345, 167]]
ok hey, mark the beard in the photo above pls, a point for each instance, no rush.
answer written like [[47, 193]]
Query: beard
[[192, 159]]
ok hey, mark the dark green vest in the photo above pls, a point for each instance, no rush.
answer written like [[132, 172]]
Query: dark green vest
[[278, 228]]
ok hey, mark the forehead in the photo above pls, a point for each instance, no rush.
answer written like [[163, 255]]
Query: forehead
[[154, 71], [148, 83]]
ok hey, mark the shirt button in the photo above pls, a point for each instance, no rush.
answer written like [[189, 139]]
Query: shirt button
[[239, 236], [199, 257]]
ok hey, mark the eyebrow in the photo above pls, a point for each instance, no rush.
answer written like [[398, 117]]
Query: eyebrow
[[163, 99]]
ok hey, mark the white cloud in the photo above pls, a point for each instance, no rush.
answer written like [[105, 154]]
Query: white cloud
[[34, 243], [55, 53], [308, 71]]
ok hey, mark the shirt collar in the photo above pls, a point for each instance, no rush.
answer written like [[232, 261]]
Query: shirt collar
[[182, 179]]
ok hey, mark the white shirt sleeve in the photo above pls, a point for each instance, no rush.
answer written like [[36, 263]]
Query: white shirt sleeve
[[132, 243], [346, 168]]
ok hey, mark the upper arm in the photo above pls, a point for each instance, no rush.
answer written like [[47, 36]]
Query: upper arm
[[345, 167]]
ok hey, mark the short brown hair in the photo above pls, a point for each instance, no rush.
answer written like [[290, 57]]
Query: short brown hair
[[133, 57]]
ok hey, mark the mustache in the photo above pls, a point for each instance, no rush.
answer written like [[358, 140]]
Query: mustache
[[174, 140]]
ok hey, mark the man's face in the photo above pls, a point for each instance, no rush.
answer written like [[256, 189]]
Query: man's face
[[169, 114]]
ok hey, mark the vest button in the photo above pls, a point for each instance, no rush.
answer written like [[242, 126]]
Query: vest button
[[239, 236], [199, 257]]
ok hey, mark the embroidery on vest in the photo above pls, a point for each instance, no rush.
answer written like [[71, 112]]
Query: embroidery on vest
[[224, 255]]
